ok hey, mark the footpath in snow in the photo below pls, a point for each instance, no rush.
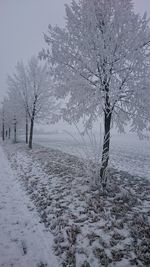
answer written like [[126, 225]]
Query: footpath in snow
[[23, 239]]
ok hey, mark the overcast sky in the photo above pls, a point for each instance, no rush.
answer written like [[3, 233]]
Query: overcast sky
[[22, 23]]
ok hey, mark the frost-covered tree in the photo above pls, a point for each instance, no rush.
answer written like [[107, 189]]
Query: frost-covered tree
[[101, 65], [40, 99], [17, 93], [31, 88]]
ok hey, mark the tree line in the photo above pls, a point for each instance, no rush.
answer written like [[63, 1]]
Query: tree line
[[29, 98]]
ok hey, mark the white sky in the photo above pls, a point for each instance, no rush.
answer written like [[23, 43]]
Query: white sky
[[22, 23]]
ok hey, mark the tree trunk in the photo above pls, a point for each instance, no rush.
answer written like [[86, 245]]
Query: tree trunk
[[106, 145], [106, 142], [3, 131], [32, 123], [26, 130], [31, 133], [15, 132], [9, 133]]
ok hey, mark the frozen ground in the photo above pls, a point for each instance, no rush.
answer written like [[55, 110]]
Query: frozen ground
[[23, 239], [90, 229], [128, 153]]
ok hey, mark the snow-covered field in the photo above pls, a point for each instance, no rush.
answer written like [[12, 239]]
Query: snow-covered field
[[128, 153]]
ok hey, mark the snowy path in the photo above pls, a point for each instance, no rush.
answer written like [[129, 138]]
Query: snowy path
[[23, 240]]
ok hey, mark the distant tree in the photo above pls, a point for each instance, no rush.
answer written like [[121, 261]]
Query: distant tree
[[101, 64], [14, 115], [32, 89], [2, 116], [40, 99], [18, 92]]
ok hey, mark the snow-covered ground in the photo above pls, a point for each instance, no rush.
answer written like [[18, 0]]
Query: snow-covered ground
[[23, 239], [128, 153], [89, 229]]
